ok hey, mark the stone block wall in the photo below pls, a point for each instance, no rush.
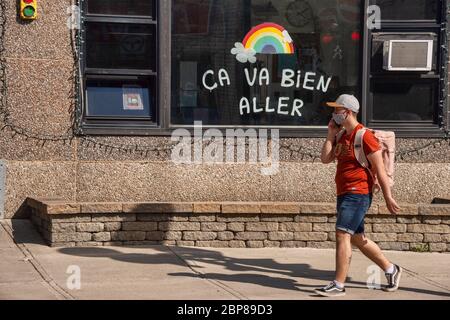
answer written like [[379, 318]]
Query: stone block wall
[[424, 228]]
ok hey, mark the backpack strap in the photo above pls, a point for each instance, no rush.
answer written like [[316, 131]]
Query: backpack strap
[[362, 158], [359, 148]]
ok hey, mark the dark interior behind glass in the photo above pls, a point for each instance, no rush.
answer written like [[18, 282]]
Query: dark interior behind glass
[[120, 46], [408, 9], [327, 41], [120, 7], [404, 100]]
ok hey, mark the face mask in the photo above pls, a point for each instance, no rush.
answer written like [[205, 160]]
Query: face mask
[[339, 118]]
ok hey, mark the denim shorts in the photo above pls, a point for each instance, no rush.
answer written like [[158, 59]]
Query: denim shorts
[[351, 210]]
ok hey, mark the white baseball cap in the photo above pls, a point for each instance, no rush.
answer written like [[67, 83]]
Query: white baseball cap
[[347, 101]]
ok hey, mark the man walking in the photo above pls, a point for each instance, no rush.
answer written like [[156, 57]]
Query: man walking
[[354, 194]]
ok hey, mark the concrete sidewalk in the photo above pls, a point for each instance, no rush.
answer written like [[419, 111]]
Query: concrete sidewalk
[[31, 270]]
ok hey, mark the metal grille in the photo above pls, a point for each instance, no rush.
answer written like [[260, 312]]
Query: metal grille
[[409, 54]]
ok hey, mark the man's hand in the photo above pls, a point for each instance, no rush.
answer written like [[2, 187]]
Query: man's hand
[[333, 129], [392, 206], [327, 155], [376, 160]]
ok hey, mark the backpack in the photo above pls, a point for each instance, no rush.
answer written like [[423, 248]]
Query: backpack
[[387, 143]]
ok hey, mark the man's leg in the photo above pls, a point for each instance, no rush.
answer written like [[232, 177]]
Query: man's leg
[[343, 258], [343, 255], [350, 214], [371, 250]]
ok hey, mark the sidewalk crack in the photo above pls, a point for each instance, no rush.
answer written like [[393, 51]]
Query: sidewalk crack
[[53, 287], [425, 279]]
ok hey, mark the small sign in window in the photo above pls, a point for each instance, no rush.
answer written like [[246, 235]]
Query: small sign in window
[[133, 98]]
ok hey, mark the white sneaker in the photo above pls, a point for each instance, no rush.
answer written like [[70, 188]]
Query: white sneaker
[[393, 279]]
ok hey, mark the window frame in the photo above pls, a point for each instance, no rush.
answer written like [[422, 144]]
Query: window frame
[[409, 129], [164, 127], [106, 125]]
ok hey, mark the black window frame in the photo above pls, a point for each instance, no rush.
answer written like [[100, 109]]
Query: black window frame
[[410, 129], [163, 127], [117, 125]]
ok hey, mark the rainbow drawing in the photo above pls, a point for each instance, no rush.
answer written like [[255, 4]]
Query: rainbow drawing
[[269, 38]]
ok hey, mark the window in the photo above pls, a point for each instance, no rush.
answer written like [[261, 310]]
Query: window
[[406, 100], [121, 7], [120, 63], [287, 82], [119, 98], [120, 45], [150, 67], [408, 9]]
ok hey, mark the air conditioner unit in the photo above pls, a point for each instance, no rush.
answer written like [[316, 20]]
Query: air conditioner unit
[[408, 55]]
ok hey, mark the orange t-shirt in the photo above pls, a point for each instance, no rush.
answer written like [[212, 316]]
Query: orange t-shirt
[[351, 177]]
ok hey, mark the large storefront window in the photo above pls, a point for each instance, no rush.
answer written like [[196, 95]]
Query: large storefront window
[[150, 67], [262, 62]]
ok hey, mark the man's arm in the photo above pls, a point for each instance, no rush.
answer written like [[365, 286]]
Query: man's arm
[[376, 160], [329, 146], [328, 149]]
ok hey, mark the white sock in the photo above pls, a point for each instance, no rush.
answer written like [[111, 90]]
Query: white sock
[[390, 270], [338, 284]]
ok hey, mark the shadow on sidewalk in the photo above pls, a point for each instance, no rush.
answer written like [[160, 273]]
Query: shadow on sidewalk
[[239, 266], [24, 233]]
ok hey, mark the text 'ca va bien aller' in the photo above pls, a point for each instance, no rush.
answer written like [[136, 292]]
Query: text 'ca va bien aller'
[[289, 79]]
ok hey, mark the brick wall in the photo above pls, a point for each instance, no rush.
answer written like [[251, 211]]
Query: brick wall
[[237, 225]]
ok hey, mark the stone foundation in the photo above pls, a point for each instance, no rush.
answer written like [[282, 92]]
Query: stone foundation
[[424, 228]]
